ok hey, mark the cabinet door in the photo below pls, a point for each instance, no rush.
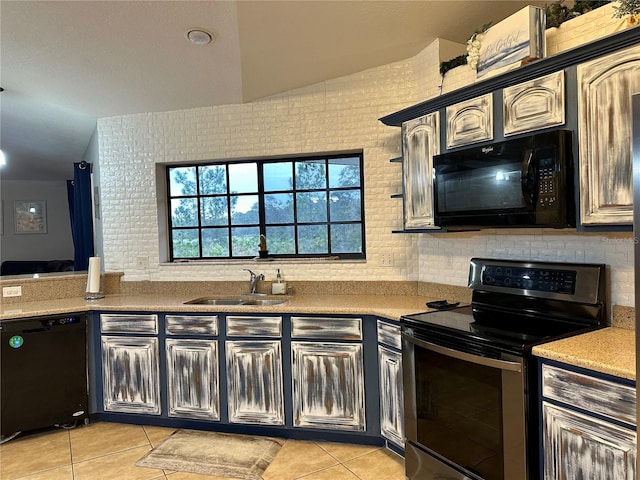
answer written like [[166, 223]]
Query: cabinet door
[[534, 105], [328, 328], [389, 334], [470, 121], [251, 326], [135, 323], [130, 376], [604, 109], [192, 378], [391, 397], [191, 324], [328, 385], [420, 142], [254, 382], [578, 446]]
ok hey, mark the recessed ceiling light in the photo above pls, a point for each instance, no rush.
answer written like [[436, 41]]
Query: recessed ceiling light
[[197, 36]]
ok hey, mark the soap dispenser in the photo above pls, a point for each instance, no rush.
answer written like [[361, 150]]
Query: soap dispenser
[[278, 287]]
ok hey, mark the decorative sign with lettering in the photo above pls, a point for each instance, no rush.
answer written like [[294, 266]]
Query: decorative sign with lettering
[[517, 39]]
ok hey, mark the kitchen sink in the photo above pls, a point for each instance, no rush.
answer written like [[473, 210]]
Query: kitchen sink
[[236, 301], [264, 302]]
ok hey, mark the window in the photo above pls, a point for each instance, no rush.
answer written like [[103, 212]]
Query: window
[[305, 207]]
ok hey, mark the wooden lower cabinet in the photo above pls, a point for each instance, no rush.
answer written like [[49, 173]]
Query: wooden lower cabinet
[[391, 395], [231, 368], [577, 446], [328, 385], [254, 382], [192, 378], [588, 425], [130, 374]]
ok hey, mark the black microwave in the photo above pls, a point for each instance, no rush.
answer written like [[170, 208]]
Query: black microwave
[[522, 182]]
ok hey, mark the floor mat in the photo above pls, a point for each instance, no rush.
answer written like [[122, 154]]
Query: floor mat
[[212, 453]]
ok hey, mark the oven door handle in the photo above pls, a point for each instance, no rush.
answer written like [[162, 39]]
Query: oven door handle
[[468, 357]]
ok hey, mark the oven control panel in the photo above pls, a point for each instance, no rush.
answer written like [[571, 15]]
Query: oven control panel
[[574, 282], [538, 279]]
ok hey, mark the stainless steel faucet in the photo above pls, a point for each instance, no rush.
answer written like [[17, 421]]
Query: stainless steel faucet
[[253, 280]]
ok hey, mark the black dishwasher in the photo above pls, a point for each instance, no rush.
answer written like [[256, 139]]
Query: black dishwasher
[[43, 372]]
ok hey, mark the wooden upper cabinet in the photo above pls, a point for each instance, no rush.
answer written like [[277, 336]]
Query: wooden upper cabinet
[[470, 121], [420, 142], [535, 104], [605, 86]]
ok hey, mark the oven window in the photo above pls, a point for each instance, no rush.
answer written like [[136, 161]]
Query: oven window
[[459, 408]]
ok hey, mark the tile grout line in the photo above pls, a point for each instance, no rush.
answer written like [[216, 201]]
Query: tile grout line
[[73, 472], [340, 463], [108, 454]]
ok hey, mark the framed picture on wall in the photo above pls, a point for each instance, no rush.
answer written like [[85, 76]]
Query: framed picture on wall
[[30, 216]]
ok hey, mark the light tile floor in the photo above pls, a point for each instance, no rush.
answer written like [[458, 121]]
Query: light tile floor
[[108, 451]]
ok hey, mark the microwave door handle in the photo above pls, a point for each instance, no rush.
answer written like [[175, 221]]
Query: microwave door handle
[[527, 194], [467, 357]]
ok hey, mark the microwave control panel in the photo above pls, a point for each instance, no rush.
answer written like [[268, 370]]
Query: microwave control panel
[[547, 188]]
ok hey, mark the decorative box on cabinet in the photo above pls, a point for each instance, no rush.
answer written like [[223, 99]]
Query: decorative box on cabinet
[[328, 375], [192, 367], [130, 370], [534, 104], [605, 86], [470, 121], [588, 426], [420, 142], [254, 370], [390, 375]]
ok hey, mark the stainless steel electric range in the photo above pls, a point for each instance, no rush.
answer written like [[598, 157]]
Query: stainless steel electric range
[[470, 385]]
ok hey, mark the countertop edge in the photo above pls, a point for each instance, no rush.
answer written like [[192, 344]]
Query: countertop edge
[[609, 350], [391, 308]]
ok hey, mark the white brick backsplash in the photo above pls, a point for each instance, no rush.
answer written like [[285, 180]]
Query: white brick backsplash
[[616, 251], [336, 115]]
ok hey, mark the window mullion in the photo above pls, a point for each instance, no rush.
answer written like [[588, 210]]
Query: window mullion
[[199, 212], [228, 194], [328, 204], [262, 222]]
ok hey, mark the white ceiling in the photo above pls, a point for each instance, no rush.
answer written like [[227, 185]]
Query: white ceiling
[[63, 64]]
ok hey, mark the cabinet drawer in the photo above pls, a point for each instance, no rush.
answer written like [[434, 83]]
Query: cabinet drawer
[[326, 327], [128, 323], [595, 395], [192, 324], [389, 334], [245, 326]]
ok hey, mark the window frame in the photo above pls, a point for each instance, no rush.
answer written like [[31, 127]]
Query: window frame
[[261, 193]]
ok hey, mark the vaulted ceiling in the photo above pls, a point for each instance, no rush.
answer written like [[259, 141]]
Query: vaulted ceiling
[[63, 64]]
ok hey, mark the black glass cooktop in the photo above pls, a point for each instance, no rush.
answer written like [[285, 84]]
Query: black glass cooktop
[[505, 331]]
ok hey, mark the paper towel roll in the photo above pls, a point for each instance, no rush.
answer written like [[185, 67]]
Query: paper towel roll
[[93, 277]]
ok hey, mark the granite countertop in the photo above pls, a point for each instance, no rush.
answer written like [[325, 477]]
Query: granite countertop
[[387, 306], [609, 350]]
